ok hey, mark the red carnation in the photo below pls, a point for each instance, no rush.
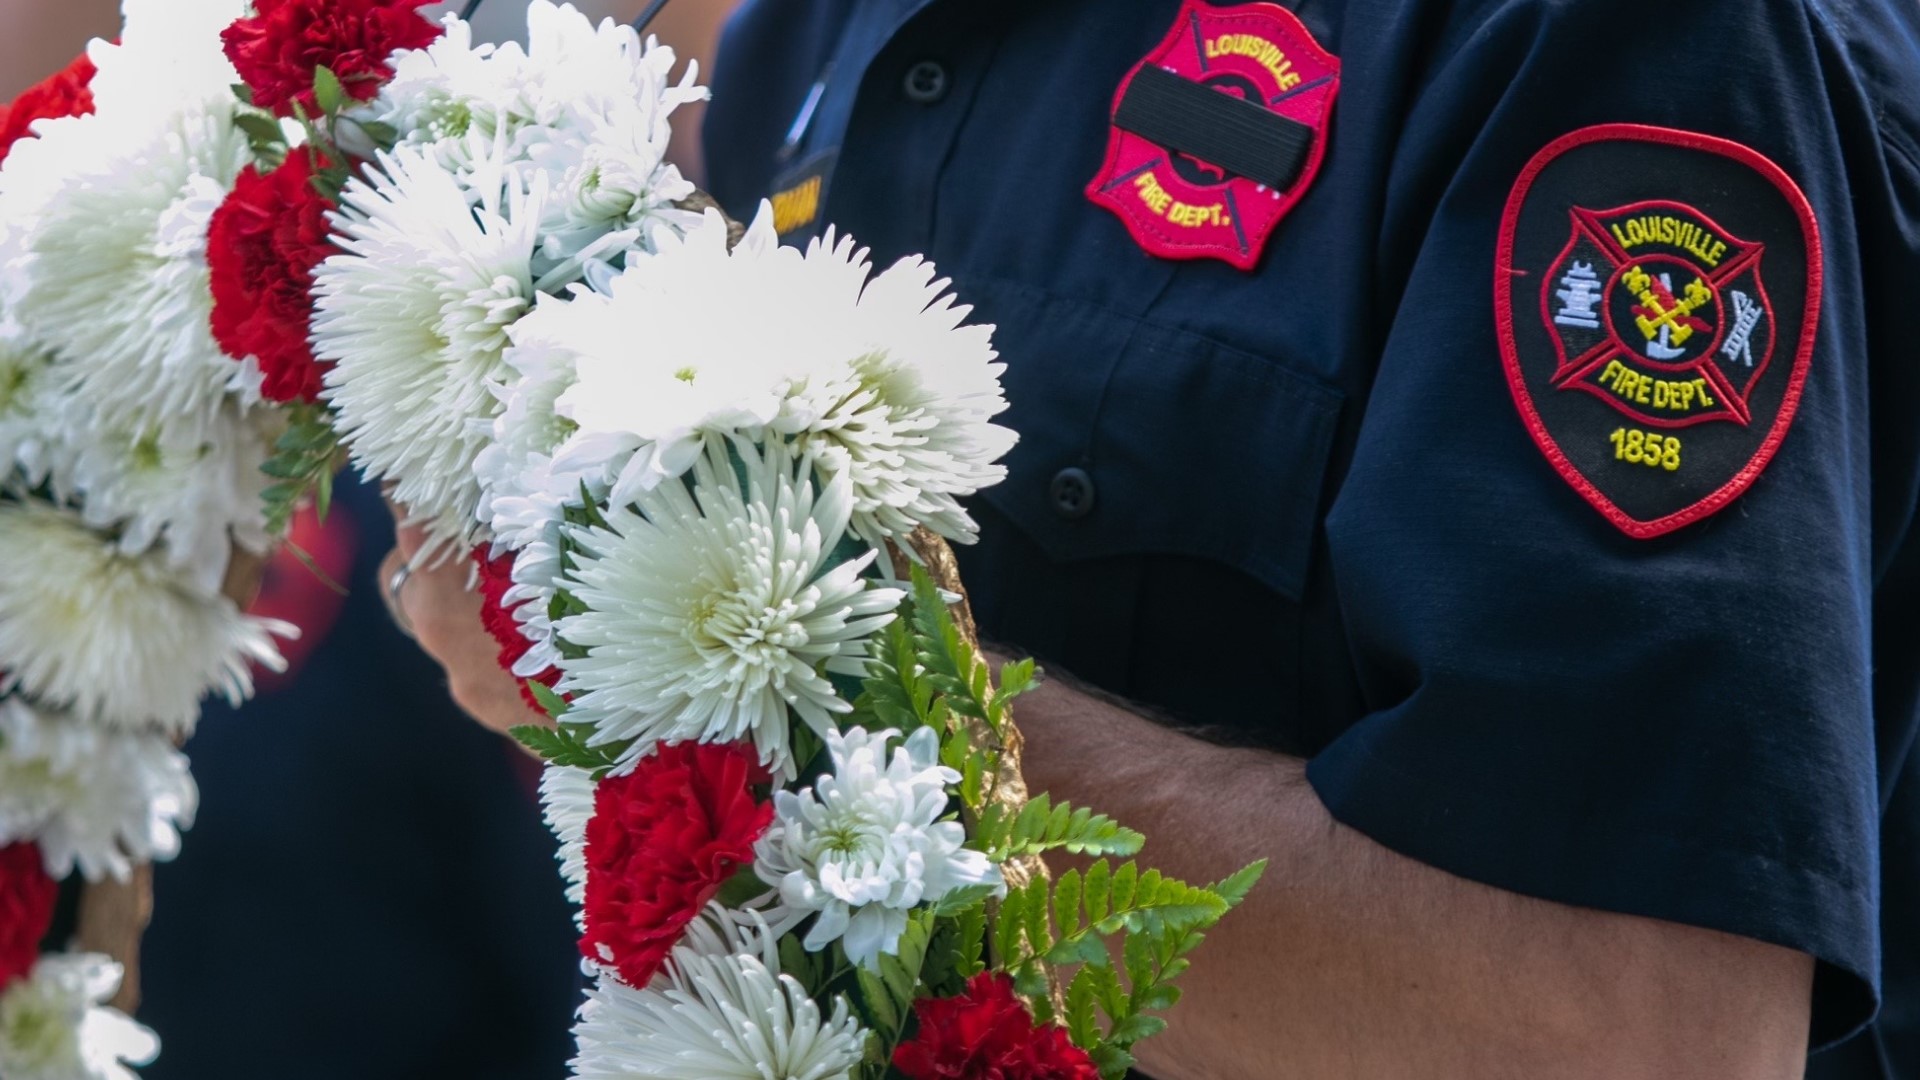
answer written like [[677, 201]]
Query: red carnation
[[986, 1033], [277, 50], [27, 894], [262, 246], [68, 92], [496, 577], [661, 842]]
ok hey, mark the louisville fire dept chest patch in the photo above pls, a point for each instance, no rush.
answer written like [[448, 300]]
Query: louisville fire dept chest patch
[[1657, 293], [1218, 132]]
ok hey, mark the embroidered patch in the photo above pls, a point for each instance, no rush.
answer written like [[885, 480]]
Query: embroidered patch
[[1218, 132], [1657, 293]]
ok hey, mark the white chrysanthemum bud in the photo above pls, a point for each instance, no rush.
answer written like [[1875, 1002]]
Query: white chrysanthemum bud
[[54, 1024], [865, 845], [94, 798], [716, 607], [413, 316], [720, 1010], [116, 638]]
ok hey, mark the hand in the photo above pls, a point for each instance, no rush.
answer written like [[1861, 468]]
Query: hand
[[443, 614]]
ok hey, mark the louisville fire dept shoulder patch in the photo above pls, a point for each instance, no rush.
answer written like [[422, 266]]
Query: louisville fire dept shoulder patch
[[1657, 294], [1218, 132]]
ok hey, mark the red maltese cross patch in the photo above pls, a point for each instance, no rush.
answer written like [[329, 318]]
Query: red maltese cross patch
[[1657, 293], [1218, 132]]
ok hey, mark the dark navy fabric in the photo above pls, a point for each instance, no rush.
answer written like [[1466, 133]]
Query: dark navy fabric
[[369, 891], [1297, 504]]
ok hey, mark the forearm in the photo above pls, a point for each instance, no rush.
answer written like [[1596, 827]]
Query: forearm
[[1353, 961]]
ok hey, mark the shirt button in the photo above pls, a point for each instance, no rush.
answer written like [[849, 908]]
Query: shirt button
[[1072, 493], [926, 82]]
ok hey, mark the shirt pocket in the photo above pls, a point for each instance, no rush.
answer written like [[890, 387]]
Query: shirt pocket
[[1138, 438]]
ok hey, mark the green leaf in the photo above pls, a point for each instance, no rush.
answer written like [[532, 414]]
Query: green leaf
[[544, 741], [961, 899], [1113, 1061], [1099, 884], [1031, 982], [1142, 970], [1082, 1025], [1113, 998], [302, 462], [742, 888], [796, 961], [1158, 997], [549, 699], [327, 91], [323, 496], [1086, 949], [590, 509], [1066, 900], [1016, 678], [1006, 925], [309, 427], [1134, 1028], [970, 941], [285, 468], [878, 1001], [1124, 880], [382, 134], [260, 129], [898, 978], [1043, 826], [956, 748], [1031, 825], [566, 744], [1236, 887], [973, 779], [243, 92], [1034, 910]]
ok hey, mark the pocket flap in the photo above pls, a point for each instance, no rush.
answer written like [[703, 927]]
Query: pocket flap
[[1184, 445]]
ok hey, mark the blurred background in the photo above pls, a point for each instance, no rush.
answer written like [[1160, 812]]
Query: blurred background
[[369, 891]]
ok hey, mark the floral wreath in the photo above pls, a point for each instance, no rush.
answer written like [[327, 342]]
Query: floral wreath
[[707, 485]]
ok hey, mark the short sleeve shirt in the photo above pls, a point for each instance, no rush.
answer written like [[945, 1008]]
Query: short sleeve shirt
[[1370, 496]]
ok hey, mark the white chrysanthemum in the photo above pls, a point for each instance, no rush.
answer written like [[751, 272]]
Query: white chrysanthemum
[[613, 190], [566, 802], [32, 424], [720, 1010], [522, 489], [573, 80], [54, 1024], [866, 844], [195, 493], [413, 314], [536, 578], [714, 612], [95, 798], [115, 269], [911, 423], [453, 87], [707, 360], [577, 67], [118, 639], [524, 492], [879, 375]]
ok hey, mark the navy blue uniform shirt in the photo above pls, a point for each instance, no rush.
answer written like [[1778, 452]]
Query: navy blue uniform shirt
[[1297, 502]]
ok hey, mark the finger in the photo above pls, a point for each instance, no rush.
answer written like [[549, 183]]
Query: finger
[[389, 567], [409, 538], [439, 593]]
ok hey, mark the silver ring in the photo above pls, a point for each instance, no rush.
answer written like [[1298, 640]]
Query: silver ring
[[394, 584]]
